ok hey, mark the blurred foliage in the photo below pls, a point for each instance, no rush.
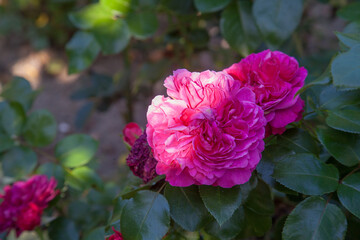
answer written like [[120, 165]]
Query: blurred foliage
[[307, 185]]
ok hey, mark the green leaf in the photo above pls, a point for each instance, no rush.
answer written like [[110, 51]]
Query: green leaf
[[238, 27], [323, 79], [40, 128], [314, 218], [344, 147], [345, 68], [260, 199], [353, 27], [6, 142], [270, 156], [87, 17], [18, 162], [198, 37], [142, 24], [344, 120], [76, 150], [95, 234], [230, 228], [349, 193], [350, 12], [82, 178], [12, 118], [181, 7], [255, 224], [207, 6], [221, 202], [277, 19], [145, 217], [118, 208], [348, 39], [63, 228], [306, 174], [299, 141], [120, 6], [19, 90], [186, 207], [81, 51], [332, 98], [83, 114], [53, 170], [113, 36], [353, 229]]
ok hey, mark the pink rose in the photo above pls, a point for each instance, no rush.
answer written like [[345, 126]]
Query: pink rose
[[29, 217], [24, 202], [275, 78], [116, 236], [131, 132], [210, 132]]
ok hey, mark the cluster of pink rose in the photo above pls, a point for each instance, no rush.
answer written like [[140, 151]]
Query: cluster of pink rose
[[24, 202], [210, 128]]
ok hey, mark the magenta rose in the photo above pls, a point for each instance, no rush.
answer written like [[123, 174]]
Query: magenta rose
[[209, 131], [24, 202], [275, 78]]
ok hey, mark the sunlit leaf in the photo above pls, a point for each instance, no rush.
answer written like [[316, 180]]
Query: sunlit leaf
[[76, 150]]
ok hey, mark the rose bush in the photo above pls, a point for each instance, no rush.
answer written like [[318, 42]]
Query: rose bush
[[207, 134]]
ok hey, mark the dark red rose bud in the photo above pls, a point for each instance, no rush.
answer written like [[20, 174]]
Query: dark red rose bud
[[131, 132], [141, 160]]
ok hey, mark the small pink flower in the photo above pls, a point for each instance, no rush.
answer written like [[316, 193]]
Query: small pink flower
[[24, 202], [210, 132], [131, 132], [275, 78], [116, 236]]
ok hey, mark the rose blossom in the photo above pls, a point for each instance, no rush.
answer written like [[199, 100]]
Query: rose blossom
[[275, 78], [131, 132], [24, 202], [209, 132]]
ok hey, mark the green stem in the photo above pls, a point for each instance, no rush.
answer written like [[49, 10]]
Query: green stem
[[40, 233]]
